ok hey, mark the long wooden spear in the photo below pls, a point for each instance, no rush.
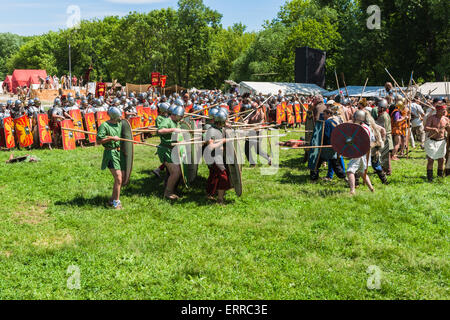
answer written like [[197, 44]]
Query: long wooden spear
[[229, 139], [364, 89], [120, 139], [345, 85], [258, 107]]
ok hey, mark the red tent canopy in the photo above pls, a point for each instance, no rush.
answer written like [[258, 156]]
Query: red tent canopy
[[8, 81], [22, 77], [34, 79]]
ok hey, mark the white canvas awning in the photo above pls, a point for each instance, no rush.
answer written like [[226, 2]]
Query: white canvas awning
[[435, 89], [287, 88]]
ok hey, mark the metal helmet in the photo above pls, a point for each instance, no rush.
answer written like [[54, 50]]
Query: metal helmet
[[197, 107], [116, 102], [123, 99], [247, 106], [71, 101], [9, 102], [18, 103], [84, 102], [225, 110], [178, 111], [57, 102], [2, 105], [179, 102], [213, 112], [37, 101], [77, 95], [144, 95], [114, 113], [383, 104], [69, 95], [171, 109], [30, 102], [220, 116], [359, 116], [131, 95], [163, 107], [346, 101]]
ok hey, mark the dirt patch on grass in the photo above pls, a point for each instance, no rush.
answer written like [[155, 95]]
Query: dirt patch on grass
[[32, 214], [6, 254], [55, 241]]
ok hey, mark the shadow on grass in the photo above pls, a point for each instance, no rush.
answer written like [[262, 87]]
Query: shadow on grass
[[80, 201], [292, 163], [321, 189], [150, 185]]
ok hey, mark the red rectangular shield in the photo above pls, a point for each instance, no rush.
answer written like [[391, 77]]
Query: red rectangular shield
[[147, 116], [45, 135], [154, 115], [136, 123], [188, 109], [206, 111], [100, 89], [77, 124], [305, 111], [237, 109], [298, 111], [102, 116], [281, 114], [23, 131], [290, 114], [89, 120], [8, 133], [68, 137]]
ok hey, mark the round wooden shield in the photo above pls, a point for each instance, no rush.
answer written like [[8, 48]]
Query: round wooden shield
[[127, 151], [350, 140]]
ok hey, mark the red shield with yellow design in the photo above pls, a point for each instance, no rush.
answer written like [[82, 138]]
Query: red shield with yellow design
[[205, 111], [8, 133], [305, 111], [68, 137], [237, 109], [298, 113], [45, 135], [154, 115], [290, 114], [147, 116], [23, 131], [89, 119], [77, 123], [102, 116], [136, 123], [281, 114], [140, 113]]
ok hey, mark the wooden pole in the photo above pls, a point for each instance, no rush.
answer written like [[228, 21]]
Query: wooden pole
[[229, 139], [364, 89], [345, 85], [120, 139], [311, 147]]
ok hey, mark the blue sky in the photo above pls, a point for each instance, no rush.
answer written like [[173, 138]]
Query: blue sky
[[27, 17]]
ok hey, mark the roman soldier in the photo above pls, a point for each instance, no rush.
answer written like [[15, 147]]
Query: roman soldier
[[436, 145], [163, 114], [166, 128], [218, 181], [108, 135]]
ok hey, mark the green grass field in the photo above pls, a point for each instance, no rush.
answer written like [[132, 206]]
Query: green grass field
[[284, 239]]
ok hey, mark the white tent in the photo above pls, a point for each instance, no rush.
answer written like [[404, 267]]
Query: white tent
[[287, 88], [355, 91], [435, 89]]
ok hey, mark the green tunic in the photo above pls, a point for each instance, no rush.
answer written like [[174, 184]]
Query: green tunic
[[165, 147], [112, 158]]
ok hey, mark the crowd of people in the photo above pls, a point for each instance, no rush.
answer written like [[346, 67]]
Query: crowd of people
[[394, 123]]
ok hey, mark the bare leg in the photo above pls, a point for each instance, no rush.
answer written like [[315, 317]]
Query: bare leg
[[397, 142], [351, 182], [174, 176], [366, 179], [117, 174], [221, 196]]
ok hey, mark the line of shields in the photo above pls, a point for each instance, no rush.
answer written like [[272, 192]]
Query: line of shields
[[27, 132]]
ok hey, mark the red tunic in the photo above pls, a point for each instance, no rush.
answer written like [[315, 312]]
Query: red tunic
[[217, 180]]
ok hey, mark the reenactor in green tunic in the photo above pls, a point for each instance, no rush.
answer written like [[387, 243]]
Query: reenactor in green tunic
[[108, 136]]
